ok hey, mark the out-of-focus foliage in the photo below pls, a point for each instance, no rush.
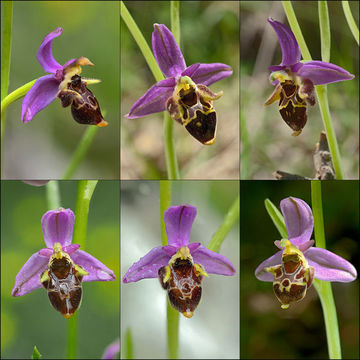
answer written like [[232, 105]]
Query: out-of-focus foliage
[[209, 33], [30, 320], [267, 331], [44, 147], [271, 146], [213, 331]]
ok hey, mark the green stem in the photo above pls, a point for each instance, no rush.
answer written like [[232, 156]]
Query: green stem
[[80, 151], [170, 153], [230, 218], [6, 46], [172, 315], [324, 30], [165, 202], [85, 191], [321, 90], [129, 352], [172, 331], [324, 287], [53, 195], [140, 40], [350, 20], [15, 95]]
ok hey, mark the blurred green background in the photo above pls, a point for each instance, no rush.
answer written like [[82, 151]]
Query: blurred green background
[[267, 144], [31, 320], [209, 33], [43, 148], [213, 331], [267, 331]]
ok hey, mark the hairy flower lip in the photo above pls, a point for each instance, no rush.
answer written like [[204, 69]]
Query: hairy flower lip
[[172, 64], [299, 223], [178, 223], [57, 226]]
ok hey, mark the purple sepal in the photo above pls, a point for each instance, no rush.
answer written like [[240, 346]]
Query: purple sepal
[[96, 269], [28, 278], [329, 266], [41, 94], [212, 262], [154, 100], [289, 47], [178, 222], [57, 226], [208, 74], [320, 72], [298, 218], [147, 267], [44, 54], [273, 260], [111, 350], [167, 52]]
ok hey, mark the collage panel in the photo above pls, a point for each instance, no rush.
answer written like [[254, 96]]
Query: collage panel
[[298, 299], [299, 90], [194, 80], [180, 264], [57, 297], [71, 49]]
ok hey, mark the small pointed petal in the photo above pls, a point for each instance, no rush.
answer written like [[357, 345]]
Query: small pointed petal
[[41, 94], [329, 266], [273, 260], [58, 227], [148, 266], [208, 74], [167, 52], [154, 100], [302, 247], [71, 248], [96, 269], [289, 47], [212, 262], [298, 218], [44, 54], [28, 278], [320, 72], [178, 223]]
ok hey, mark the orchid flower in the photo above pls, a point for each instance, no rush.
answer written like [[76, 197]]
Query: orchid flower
[[184, 93], [63, 82], [294, 80], [180, 266], [293, 268], [61, 266]]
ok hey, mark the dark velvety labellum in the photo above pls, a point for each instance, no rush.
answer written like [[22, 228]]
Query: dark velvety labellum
[[183, 284], [203, 126], [292, 108], [63, 284], [85, 108]]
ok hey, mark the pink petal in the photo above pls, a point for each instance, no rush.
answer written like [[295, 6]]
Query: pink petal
[[28, 278], [44, 54], [329, 266], [57, 226], [298, 218], [212, 262], [96, 269], [273, 260], [41, 94], [178, 223]]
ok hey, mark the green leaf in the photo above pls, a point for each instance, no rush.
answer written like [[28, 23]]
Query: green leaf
[[277, 218], [36, 354]]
